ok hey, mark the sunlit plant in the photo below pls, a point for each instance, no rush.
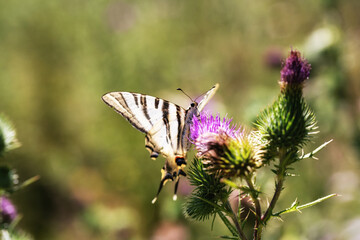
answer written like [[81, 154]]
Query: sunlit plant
[[229, 157], [9, 184]]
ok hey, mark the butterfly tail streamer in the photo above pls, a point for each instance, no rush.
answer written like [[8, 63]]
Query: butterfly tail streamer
[[167, 177]]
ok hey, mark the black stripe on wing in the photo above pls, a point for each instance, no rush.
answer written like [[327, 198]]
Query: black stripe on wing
[[157, 102], [165, 110], [180, 126], [144, 108]]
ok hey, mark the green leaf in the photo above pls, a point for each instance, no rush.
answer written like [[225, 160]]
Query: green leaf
[[228, 237], [15, 222], [227, 223], [229, 183], [296, 208], [29, 181], [311, 154]]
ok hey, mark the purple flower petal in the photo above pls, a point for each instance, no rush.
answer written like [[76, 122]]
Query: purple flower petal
[[295, 69], [206, 128]]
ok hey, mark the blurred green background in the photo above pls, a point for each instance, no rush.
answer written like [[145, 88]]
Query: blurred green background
[[57, 58]]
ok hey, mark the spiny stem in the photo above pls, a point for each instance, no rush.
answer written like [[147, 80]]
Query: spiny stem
[[280, 178], [239, 208], [235, 220], [255, 199]]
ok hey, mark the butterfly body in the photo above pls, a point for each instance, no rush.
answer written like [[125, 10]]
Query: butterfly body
[[165, 124]]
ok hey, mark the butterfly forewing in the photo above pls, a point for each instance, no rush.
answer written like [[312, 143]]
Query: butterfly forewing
[[161, 120], [207, 97], [142, 111]]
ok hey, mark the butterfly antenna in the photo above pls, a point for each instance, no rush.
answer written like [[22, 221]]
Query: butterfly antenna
[[179, 89]]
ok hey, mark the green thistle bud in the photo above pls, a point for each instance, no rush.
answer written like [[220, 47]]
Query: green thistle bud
[[208, 192], [8, 179], [8, 139], [232, 157], [288, 122]]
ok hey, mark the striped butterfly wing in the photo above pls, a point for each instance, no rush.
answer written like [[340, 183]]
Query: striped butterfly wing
[[159, 119], [166, 135]]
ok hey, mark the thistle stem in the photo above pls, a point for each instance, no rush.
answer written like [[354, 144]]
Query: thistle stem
[[235, 220], [280, 178], [239, 208], [255, 199]]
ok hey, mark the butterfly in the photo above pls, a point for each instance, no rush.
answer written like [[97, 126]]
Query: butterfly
[[166, 127]]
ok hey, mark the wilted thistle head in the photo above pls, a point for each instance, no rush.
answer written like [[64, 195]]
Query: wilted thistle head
[[7, 211], [224, 148], [295, 71]]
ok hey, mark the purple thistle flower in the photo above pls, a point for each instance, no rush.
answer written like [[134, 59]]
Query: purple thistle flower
[[7, 211], [209, 124], [206, 128], [223, 147], [295, 70]]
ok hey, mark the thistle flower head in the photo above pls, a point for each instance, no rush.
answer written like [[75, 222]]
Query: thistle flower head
[[295, 70], [224, 148], [207, 127], [7, 211], [207, 123]]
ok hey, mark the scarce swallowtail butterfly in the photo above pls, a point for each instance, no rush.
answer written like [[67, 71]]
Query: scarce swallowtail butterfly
[[166, 127]]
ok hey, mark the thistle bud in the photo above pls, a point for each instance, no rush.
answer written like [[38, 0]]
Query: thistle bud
[[8, 179], [8, 139]]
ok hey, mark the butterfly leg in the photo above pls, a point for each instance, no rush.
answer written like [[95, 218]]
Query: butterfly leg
[[180, 172]]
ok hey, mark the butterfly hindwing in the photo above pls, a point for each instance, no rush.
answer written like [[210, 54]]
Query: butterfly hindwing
[[166, 136]]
